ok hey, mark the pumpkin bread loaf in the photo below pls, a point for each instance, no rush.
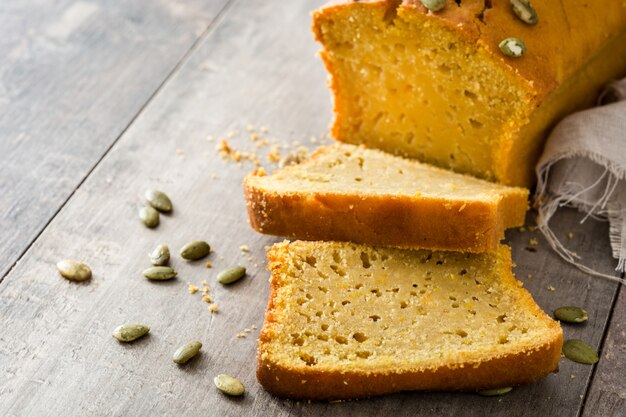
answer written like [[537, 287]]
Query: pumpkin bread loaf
[[436, 86], [350, 193], [350, 321]]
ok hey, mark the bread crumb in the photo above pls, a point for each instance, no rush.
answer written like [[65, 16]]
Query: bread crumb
[[241, 335], [208, 264], [570, 235], [522, 229], [204, 282], [530, 276], [533, 242], [264, 129], [253, 326], [213, 308], [206, 289], [532, 228], [572, 376], [244, 248], [250, 128], [274, 155], [551, 288], [192, 288], [206, 298]]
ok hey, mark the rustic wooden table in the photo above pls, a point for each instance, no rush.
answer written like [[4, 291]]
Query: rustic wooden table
[[102, 100]]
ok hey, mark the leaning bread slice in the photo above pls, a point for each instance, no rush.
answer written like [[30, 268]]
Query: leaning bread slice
[[349, 321], [349, 193]]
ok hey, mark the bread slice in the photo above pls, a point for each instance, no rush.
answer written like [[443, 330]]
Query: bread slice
[[348, 321], [350, 193], [435, 86]]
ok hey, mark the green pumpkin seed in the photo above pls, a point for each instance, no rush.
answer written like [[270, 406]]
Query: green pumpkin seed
[[130, 332], [571, 314], [160, 256], [433, 5], [159, 200], [230, 275], [187, 351], [159, 273], [524, 11], [513, 47], [149, 216], [494, 392], [74, 270], [579, 351], [195, 250], [228, 385]]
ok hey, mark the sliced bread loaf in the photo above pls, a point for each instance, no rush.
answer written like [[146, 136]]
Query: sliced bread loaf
[[348, 321], [436, 86], [350, 193]]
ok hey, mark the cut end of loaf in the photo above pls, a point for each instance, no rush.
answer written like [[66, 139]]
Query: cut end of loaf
[[350, 193], [422, 87], [349, 321]]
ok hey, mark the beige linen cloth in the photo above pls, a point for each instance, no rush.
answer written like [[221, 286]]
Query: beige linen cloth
[[584, 166]]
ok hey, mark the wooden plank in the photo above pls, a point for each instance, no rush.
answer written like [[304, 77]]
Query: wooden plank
[[73, 75], [56, 353], [607, 393]]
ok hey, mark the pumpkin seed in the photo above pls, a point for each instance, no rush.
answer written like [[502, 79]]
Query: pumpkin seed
[[579, 351], [74, 270], [230, 275], [571, 314], [159, 200], [524, 11], [160, 256], [149, 216], [130, 332], [513, 47], [433, 5], [159, 273], [187, 351], [494, 392], [195, 250], [228, 385]]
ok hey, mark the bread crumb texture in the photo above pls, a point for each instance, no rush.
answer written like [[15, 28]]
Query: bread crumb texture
[[421, 319]]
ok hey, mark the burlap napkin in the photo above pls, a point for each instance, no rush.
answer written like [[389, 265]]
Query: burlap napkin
[[584, 166]]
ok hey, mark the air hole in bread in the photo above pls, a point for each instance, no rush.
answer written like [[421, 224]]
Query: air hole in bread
[[403, 304], [375, 318], [502, 340], [461, 333], [377, 292], [344, 302], [341, 340], [338, 270], [463, 271], [364, 354], [323, 289], [475, 123], [358, 286], [324, 327], [365, 260], [359, 337], [308, 359], [336, 257], [501, 318], [455, 305], [311, 260]]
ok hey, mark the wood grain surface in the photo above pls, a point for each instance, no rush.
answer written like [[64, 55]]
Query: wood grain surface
[[256, 66], [73, 75]]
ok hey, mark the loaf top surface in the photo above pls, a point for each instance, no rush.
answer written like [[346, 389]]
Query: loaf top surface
[[350, 169], [339, 306], [568, 33]]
